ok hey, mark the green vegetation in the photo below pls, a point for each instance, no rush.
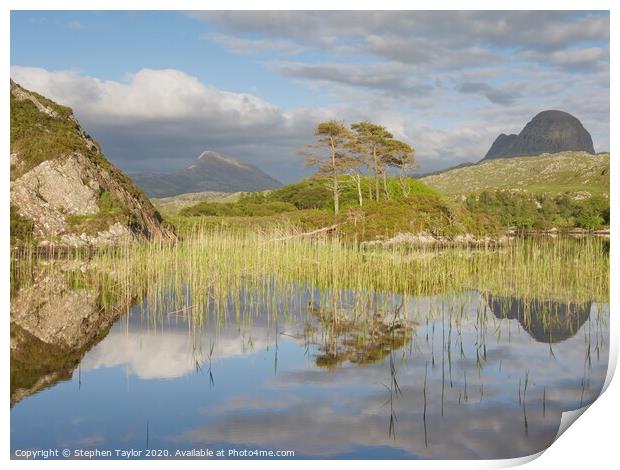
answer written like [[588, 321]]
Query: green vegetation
[[173, 204], [365, 148], [541, 211], [560, 191], [309, 193], [564, 172], [413, 207], [422, 214], [212, 267], [241, 208], [313, 193], [37, 137], [563, 191], [332, 138]]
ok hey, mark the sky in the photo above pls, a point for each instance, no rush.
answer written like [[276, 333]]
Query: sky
[[158, 88]]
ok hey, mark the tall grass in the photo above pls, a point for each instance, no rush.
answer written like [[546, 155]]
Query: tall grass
[[220, 270]]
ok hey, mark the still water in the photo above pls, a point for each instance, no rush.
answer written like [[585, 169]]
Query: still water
[[451, 376]]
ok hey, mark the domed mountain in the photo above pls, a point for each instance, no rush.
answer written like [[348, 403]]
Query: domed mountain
[[550, 131], [210, 171]]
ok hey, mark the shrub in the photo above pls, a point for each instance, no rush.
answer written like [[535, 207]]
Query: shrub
[[541, 211], [241, 208]]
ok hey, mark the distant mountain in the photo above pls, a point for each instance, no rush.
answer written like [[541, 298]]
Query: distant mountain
[[547, 173], [549, 132], [210, 171]]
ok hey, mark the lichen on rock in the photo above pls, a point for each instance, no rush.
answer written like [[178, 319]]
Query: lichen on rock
[[63, 184]]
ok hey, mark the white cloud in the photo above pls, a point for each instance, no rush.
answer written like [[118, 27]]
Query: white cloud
[[494, 95], [149, 95], [590, 59], [158, 120], [151, 355], [538, 30], [157, 116], [390, 77]]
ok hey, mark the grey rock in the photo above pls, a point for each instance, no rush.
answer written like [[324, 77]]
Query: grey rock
[[548, 132], [22, 95], [72, 184], [54, 189]]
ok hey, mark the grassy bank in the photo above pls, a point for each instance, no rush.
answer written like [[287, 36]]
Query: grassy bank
[[211, 268]]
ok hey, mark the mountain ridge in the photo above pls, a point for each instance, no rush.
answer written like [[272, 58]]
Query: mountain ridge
[[210, 171]]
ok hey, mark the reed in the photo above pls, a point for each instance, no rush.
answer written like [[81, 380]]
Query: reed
[[217, 271]]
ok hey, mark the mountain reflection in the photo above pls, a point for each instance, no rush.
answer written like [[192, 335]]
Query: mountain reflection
[[547, 321], [327, 374]]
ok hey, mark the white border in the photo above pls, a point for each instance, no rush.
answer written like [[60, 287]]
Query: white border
[[590, 443]]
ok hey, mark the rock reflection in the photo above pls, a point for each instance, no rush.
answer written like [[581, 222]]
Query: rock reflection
[[327, 375], [55, 319]]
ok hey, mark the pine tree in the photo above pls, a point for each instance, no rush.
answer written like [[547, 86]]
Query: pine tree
[[330, 154]]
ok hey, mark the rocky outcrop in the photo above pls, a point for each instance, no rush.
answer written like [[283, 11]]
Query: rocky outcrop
[[55, 189], [20, 94], [428, 239], [210, 171], [548, 132], [502, 146], [62, 183]]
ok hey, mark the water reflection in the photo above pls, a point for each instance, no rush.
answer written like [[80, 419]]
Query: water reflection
[[324, 374], [53, 323], [343, 334], [546, 321]]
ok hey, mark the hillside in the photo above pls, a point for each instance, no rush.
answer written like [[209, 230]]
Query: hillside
[[63, 190], [414, 210], [210, 171], [549, 131], [174, 204], [547, 173]]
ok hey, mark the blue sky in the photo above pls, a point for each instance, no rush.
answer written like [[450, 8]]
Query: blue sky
[[109, 45], [156, 88]]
